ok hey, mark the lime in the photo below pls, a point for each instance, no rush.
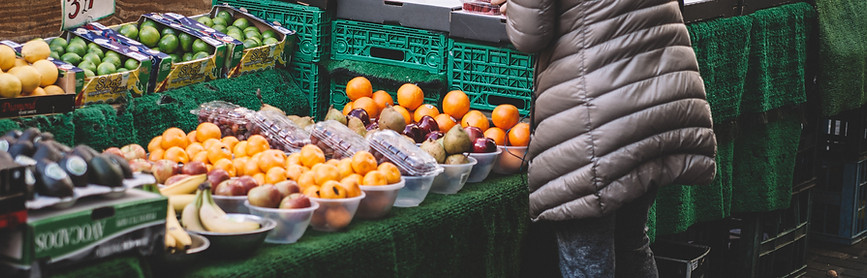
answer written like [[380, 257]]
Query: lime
[[186, 42], [77, 40], [200, 55], [201, 46], [58, 41], [114, 60], [59, 49], [87, 65], [150, 23], [76, 48], [93, 58], [225, 15], [130, 64], [175, 58], [98, 52], [236, 35], [71, 58], [269, 41], [168, 44], [54, 55], [88, 73], [168, 31], [91, 45], [105, 68], [219, 21], [250, 43], [129, 31], [253, 34], [205, 20], [269, 34], [256, 39], [111, 53], [241, 23], [219, 28], [187, 56], [229, 28], [149, 36], [251, 28]]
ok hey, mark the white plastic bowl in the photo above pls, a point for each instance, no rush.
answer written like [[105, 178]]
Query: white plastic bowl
[[232, 204], [334, 214], [483, 167], [379, 200], [511, 161], [415, 190], [291, 223], [453, 177]]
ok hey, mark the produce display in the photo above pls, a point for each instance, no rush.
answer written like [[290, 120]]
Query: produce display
[[32, 74], [282, 132], [95, 60]]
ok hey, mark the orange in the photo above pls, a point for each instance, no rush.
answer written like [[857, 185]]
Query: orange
[[191, 137], [271, 159], [174, 137], [225, 164], [207, 130], [239, 163], [275, 175], [374, 178], [347, 108], [294, 171], [251, 167], [194, 148], [230, 141], [456, 103], [218, 151], [391, 172], [382, 99], [519, 135], [257, 144], [363, 162], [475, 118], [311, 155], [445, 122], [210, 142], [325, 172], [406, 116], [368, 105], [344, 167], [505, 116], [425, 110], [176, 154], [352, 188], [354, 178], [358, 87], [311, 191], [293, 159], [498, 134], [156, 154], [306, 180], [260, 178], [240, 149], [155, 143], [333, 162], [410, 96], [202, 157]]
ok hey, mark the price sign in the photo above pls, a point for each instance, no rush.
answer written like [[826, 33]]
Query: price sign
[[79, 12]]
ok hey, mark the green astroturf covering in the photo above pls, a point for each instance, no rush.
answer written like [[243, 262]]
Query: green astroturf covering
[[61, 125], [842, 74]]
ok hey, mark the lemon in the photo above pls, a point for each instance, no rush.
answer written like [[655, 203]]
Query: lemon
[[38, 92], [10, 86], [48, 71], [7, 57], [29, 77], [35, 50], [19, 62], [54, 90]]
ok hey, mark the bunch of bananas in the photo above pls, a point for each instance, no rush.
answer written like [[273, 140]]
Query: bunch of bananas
[[205, 215], [176, 239]]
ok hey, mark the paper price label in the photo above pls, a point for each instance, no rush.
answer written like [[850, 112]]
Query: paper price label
[[79, 12]]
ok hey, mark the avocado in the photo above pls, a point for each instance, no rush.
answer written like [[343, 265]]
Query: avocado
[[21, 147], [6, 141], [47, 136], [85, 152], [31, 134], [104, 171], [61, 147], [51, 180], [46, 150], [123, 163], [76, 168], [13, 133]]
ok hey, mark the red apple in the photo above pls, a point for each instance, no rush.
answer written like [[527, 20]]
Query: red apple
[[163, 169], [140, 165], [133, 151], [413, 131], [295, 201], [474, 133], [484, 145], [266, 196], [194, 168], [247, 182], [287, 187], [427, 124], [372, 126], [114, 150], [434, 135], [229, 188], [217, 176], [175, 178]]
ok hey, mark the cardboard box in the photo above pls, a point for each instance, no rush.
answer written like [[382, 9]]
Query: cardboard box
[[252, 59], [69, 78], [479, 27], [93, 228], [161, 63], [423, 14]]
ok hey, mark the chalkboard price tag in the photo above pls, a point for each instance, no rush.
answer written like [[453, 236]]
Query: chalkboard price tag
[[80, 12]]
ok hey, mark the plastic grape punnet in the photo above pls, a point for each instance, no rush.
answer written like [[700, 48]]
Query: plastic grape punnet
[[231, 118], [481, 6], [411, 159], [338, 139], [282, 133]]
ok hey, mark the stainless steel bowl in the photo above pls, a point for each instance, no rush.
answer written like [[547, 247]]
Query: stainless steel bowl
[[235, 244], [200, 244]]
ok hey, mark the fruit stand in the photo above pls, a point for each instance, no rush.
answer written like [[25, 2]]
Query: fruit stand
[[756, 69]]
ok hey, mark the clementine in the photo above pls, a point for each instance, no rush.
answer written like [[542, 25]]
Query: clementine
[[363, 162], [498, 134], [218, 151], [368, 105], [257, 144], [155, 143], [230, 141], [260, 178], [174, 137], [270, 159], [275, 175], [456, 103], [202, 157], [294, 171], [227, 165], [519, 135], [191, 137], [374, 177], [505, 116], [240, 149], [410, 96], [194, 148], [240, 163], [176, 154], [445, 122], [475, 118], [358, 87], [325, 172], [207, 130], [382, 99], [311, 155], [156, 154], [425, 110], [347, 108], [391, 172]]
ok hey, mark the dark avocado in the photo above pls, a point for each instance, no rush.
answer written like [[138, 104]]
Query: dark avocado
[[60, 147], [6, 142], [31, 134], [51, 180], [103, 171], [46, 150], [22, 147], [124, 165], [76, 168], [13, 133], [85, 152]]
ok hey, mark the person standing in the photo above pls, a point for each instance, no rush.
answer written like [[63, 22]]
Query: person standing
[[619, 109]]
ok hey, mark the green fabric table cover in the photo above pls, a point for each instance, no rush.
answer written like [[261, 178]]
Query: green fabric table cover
[[842, 74]]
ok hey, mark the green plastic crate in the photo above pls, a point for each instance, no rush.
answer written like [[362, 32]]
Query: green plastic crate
[[310, 79], [311, 24], [491, 75], [338, 97], [389, 44]]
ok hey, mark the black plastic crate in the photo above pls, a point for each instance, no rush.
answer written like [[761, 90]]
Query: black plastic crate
[[844, 135], [680, 259], [840, 202]]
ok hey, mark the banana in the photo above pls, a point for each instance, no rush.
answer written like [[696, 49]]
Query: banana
[[190, 215], [178, 202], [173, 229], [214, 219], [185, 186], [170, 243]]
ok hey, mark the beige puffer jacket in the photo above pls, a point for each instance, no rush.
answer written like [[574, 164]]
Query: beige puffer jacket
[[619, 104]]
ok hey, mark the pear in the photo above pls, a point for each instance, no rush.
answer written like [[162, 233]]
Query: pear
[[391, 119], [303, 122], [457, 141], [434, 149], [266, 106], [356, 125], [457, 159], [334, 114]]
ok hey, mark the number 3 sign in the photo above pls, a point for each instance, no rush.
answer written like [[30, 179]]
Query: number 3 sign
[[79, 12]]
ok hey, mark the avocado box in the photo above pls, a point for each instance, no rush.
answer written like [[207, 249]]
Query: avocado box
[[94, 228], [161, 63], [251, 59], [183, 72], [69, 78]]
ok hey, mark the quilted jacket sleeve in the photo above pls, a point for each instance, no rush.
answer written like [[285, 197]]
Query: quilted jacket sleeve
[[531, 24]]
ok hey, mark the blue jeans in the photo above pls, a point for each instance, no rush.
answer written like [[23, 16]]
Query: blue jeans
[[611, 246]]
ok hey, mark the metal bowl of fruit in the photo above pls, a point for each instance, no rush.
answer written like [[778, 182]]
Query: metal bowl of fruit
[[197, 248], [232, 244]]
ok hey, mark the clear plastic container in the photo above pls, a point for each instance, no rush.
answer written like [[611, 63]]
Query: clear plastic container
[[291, 223], [453, 177], [511, 161], [484, 166], [232, 204], [232, 119], [415, 190], [337, 140], [379, 200], [388, 145], [481, 6], [334, 214], [282, 133]]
